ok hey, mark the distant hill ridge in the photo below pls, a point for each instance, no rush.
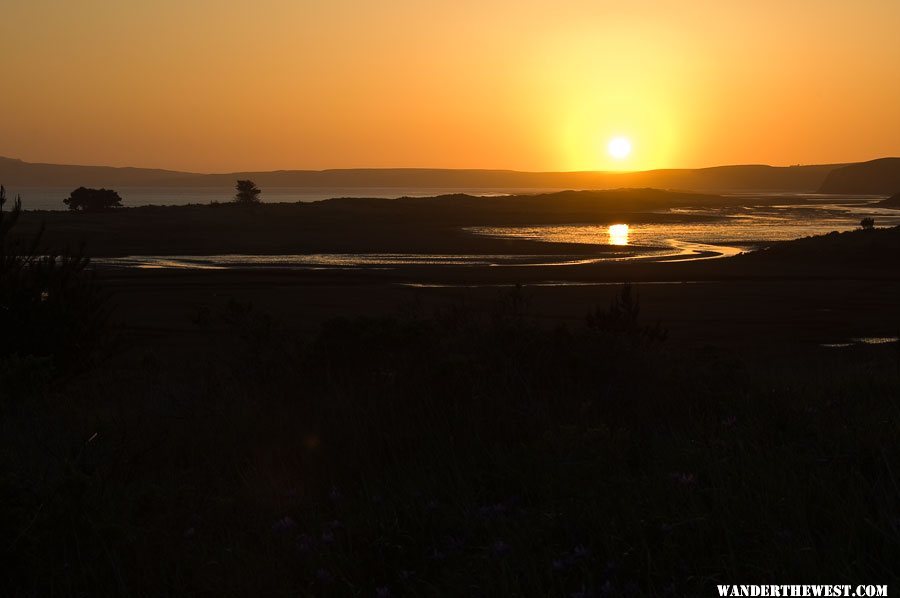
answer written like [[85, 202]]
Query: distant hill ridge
[[18, 172], [751, 177], [875, 177]]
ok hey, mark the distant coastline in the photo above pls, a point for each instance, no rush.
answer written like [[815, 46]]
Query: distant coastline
[[43, 186], [16, 174]]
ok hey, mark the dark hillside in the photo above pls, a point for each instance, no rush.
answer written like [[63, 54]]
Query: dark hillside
[[750, 177], [876, 177], [891, 202]]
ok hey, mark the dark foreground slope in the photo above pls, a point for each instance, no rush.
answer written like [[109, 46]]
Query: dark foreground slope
[[866, 249], [457, 452], [345, 435], [876, 177]]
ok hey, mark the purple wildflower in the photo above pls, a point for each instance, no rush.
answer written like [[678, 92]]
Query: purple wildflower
[[455, 544], [305, 543], [324, 576], [284, 525], [492, 511], [499, 549], [685, 479]]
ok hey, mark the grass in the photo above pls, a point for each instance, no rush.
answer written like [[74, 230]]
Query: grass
[[454, 453]]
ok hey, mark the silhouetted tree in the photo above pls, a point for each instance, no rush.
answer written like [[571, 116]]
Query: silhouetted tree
[[247, 192], [93, 200], [867, 223]]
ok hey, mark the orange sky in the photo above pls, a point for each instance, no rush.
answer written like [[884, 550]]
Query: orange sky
[[221, 85]]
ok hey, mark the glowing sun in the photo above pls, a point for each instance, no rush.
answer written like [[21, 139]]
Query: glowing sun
[[619, 147]]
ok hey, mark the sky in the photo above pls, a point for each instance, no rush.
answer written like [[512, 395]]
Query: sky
[[539, 85]]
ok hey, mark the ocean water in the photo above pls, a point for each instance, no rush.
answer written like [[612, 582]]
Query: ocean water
[[51, 198]]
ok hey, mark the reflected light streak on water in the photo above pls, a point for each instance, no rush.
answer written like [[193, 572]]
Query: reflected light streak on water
[[729, 226], [618, 234]]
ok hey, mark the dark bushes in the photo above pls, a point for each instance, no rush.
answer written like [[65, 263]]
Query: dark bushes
[[51, 307], [465, 452]]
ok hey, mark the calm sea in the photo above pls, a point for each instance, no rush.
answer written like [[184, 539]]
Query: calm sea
[[51, 198]]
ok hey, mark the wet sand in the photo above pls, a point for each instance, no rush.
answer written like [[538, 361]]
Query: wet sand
[[797, 294], [727, 302]]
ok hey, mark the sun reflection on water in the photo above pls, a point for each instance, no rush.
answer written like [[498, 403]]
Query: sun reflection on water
[[618, 234]]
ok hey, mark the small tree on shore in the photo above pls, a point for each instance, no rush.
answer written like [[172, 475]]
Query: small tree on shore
[[93, 200], [247, 193], [867, 223]]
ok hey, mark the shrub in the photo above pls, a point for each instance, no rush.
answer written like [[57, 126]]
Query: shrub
[[50, 304]]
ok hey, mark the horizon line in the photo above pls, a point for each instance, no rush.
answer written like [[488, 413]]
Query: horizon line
[[457, 169]]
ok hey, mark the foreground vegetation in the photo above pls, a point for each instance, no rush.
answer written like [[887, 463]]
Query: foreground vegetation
[[456, 452], [451, 453]]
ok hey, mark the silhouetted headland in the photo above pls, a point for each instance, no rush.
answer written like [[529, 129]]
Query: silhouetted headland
[[876, 177], [891, 202]]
